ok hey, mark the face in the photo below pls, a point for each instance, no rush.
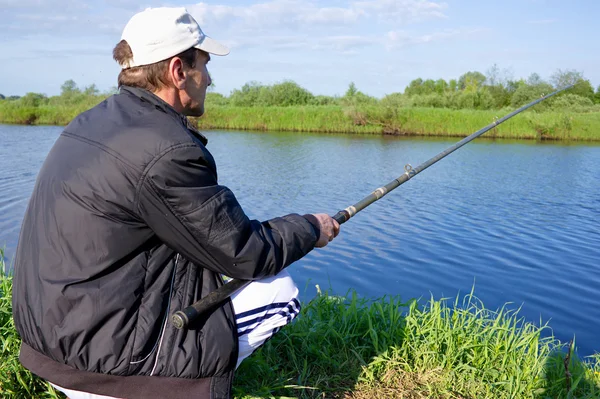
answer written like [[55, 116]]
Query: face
[[197, 81]]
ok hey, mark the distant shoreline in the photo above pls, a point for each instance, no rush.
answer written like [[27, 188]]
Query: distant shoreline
[[424, 122], [368, 119]]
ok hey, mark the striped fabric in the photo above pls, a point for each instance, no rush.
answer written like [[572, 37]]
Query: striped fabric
[[262, 308], [248, 321]]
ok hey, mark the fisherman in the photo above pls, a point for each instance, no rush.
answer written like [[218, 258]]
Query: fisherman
[[127, 224]]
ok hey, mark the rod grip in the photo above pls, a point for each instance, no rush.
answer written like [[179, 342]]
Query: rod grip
[[341, 217], [183, 318]]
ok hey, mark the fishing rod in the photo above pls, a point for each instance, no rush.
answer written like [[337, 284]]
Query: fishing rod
[[182, 318]]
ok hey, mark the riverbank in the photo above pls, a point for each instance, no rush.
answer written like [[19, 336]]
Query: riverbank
[[551, 125], [348, 347], [368, 119]]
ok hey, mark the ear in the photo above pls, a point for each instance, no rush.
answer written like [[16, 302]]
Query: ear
[[177, 73]]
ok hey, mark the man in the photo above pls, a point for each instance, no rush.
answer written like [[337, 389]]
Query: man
[[128, 224]]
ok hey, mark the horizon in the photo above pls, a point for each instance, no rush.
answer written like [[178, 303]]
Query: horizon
[[323, 46]]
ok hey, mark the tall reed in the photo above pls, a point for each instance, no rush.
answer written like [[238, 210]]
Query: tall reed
[[376, 119], [364, 119]]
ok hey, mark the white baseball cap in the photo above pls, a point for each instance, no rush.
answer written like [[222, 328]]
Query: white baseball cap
[[157, 34]]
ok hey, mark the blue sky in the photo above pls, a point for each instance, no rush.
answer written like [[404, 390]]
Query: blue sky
[[381, 45]]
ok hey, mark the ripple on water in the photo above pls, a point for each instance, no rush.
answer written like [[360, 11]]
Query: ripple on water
[[518, 222]]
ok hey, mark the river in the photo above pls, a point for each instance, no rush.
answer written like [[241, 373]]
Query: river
[[518, 221]]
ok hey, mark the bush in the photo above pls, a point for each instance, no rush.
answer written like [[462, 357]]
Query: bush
[[324, 100], [289, 93], [216, 99], [283, 94], [395, 100], [527, 93], [33, 100], [573, 102]]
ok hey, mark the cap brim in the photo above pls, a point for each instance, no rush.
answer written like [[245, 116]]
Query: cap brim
[[212, 46]]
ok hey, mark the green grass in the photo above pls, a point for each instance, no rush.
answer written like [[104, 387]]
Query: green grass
[[14, 113], [350, 347], [15, 381], [404, 121], [368, 119]]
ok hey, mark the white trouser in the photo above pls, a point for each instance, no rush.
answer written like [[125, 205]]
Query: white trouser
[[261, 309]]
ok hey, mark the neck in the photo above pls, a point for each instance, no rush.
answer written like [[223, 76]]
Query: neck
[[171, 97]]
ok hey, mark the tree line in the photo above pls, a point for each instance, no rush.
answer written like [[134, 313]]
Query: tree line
[[472, 90]]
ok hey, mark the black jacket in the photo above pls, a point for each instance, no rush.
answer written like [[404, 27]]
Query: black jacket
[[126, 225]]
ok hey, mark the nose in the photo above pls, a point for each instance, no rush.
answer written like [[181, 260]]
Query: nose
[[209, 79]]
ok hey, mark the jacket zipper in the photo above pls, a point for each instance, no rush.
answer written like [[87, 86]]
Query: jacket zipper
[[164, 327]]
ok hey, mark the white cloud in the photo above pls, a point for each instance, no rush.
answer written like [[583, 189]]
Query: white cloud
[[296, 24], [65, 18], [403, 11], [294, 13], [347, 43], [395, 39]]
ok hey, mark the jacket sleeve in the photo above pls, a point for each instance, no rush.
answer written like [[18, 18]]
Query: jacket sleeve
[[179, 199]]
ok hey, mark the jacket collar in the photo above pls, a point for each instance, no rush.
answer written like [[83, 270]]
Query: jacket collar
[[158, 102]]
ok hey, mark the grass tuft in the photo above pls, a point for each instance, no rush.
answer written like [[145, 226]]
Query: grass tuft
[[15, 381], [351, 347]]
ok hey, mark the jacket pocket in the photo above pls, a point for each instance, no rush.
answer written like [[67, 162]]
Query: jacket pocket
[[153, 317]]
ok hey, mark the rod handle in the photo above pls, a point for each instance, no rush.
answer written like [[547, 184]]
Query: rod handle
[[341, 217], [183, 318]]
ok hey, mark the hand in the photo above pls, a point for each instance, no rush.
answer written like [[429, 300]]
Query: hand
[[329, 229]]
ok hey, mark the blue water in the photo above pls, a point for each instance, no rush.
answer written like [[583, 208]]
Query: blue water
[[519, 221]]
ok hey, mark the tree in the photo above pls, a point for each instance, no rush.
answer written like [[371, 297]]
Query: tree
[[428, 86], [352, 90], [216, 99], [492, 75], [562, 78], [33, 100], [69, 87], [441, 86], [498, 85], [497, 77], [527, 93], [247, 96], [2, 97], [500, 95], [453, 85], [91, 90], [512, 85], [354, 97], [534, 79], [597, 96], [471, 80], [582, 87], [414, 87]]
